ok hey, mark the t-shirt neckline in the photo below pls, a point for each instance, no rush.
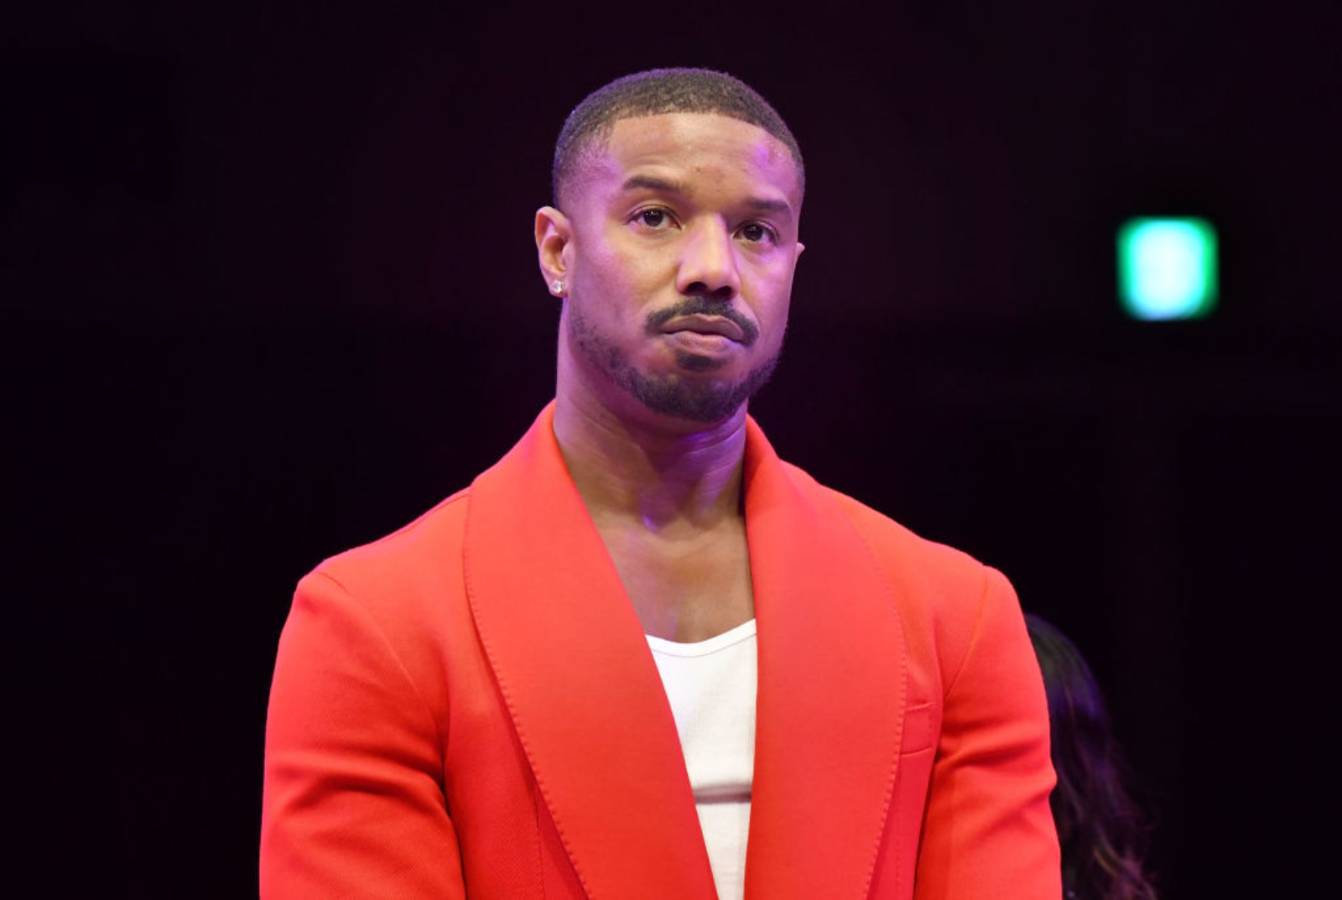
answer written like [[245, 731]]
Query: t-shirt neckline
[[702, 648]]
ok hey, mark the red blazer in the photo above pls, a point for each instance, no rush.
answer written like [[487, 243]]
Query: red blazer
[[468, 708]]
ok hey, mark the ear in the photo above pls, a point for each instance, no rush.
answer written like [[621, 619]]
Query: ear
[[554, 234]]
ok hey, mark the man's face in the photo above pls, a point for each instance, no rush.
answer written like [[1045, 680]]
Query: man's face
[[680, 262]]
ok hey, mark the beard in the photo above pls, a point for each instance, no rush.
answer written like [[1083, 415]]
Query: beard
[[698, 398]]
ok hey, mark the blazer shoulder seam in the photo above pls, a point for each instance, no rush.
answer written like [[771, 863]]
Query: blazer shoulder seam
[[974, 633], [390, 649]]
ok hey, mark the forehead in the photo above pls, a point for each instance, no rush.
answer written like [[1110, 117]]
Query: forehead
[[695, 147]]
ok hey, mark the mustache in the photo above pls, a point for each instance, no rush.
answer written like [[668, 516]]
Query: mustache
[[702, 306]]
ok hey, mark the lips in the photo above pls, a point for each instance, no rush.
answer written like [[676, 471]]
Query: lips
[[702, 324]]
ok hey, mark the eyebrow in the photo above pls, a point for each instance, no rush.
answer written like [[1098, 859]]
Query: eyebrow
[[649, 183], [652, 183]]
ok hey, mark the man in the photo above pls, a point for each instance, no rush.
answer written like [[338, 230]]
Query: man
[[641, 657]]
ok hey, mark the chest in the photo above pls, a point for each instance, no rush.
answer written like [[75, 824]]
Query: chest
[[687, 587]]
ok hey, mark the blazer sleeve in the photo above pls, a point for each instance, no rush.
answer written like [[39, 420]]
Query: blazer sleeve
[[353, 804], [988, 830]]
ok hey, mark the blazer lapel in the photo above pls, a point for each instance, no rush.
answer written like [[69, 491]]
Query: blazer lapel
[[832, 689], [579, 681]]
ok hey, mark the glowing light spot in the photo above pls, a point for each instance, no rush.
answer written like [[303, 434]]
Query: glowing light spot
[[1167, 268]]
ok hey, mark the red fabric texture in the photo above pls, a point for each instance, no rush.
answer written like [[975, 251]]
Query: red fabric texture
[[468, 708]]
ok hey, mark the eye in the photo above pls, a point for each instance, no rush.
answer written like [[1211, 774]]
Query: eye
[[654, 218], [758, 233]]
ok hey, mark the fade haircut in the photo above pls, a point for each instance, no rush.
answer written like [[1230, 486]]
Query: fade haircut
[[655, 92]]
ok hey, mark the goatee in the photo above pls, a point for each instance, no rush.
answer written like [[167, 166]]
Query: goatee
[[698, 399]]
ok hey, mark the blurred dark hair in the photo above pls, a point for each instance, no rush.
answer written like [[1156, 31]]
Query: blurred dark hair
[[1099, 826], [658, 91]]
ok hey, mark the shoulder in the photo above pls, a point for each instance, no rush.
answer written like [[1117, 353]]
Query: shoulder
[[416, 550], [403, 586], [896, 545], [943, 594]]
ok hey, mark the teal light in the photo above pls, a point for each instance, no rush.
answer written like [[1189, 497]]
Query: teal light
[[1167, 268]]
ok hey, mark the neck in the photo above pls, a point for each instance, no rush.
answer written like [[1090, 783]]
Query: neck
[[659, 474]]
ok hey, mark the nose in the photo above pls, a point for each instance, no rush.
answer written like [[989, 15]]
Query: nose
[[708, 263]]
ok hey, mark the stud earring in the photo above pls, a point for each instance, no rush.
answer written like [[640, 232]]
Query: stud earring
[[557, 286]]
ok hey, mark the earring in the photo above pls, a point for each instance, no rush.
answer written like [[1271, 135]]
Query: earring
[[557, 286]]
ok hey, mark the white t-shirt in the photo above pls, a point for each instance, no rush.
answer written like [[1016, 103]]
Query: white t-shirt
[[711, 686]]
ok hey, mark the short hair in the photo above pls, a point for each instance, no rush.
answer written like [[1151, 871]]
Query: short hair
[[659, 91]]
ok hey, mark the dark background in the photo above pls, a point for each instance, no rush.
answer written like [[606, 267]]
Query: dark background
[[268, 291]]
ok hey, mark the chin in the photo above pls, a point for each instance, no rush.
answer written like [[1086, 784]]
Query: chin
[[695, 396]]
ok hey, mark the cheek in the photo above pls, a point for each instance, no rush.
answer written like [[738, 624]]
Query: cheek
[[772, 292], [612, 272], [777, 328]]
